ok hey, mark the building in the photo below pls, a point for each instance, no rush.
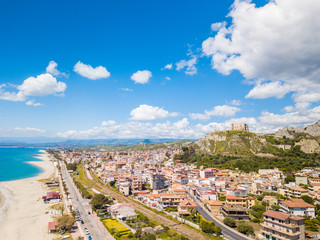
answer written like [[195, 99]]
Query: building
[[298, 207], [237, 212], [169, 200], [278, 225], [156, 181], [214, 206], [186, 207], [136, 184], [301, 180], [51, 197], [246, 202], [124, 188], [239, 127], [295, 192], [207, 173]]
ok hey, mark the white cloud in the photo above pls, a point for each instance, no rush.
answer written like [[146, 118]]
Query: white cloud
[[217, 26], [141, 77], [89, 72], [21, 132], [188, 65], [288, 108], [40, 86], [236, 102], [168, 78], [276, 42], [52, 69], [168, 66], [270, 89], [145, 112], [33, 103], [221, 111], [126, 89]]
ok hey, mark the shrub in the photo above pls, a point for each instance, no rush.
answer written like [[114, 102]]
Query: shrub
[[229, 222]]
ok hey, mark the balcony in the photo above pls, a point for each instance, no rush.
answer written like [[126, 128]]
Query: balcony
[[270, 230]]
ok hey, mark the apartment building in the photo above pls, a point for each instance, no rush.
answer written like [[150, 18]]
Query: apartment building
[[156, 181], [295, 192], [282, 226], [298, 207]]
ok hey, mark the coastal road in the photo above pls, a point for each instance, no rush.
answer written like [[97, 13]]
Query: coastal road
[[83, 206], [226, 231]]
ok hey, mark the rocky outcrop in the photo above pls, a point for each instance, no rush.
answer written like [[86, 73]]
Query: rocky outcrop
[[284, 132], [313, 130], [309, 145]]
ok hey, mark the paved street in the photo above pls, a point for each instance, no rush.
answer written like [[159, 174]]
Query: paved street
[[226, 231], [83, 206]]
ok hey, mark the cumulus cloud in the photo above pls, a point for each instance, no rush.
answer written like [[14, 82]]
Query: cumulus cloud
[[33, 103], [168, 66], [141, 77], [52, 69], [189, 66], [236, 102], [145, 112], [40, 86], [221, 111], [276, 42], [88, 71], [270, 89]]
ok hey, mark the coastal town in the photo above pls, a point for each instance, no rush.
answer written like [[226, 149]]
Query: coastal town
[[152, 194]]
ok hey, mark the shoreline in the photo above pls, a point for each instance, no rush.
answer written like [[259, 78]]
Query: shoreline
[[21, 204]]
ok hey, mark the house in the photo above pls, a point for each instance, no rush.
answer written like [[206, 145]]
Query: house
[[214, 206], [51, 197], [123, 211], [278, 225], [237, 212], [52, 227], [314, 186], [298, 207], [207, 173], [272, 200], [186, 207], [295, 192], [247, 202], [169, 200]]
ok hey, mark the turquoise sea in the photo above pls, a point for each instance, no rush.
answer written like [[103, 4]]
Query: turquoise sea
[[13, 163]]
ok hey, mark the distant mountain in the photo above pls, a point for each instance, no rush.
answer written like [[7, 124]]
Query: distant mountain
[[74, 143]]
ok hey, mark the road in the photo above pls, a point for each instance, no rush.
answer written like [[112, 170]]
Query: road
[[180, 228], [83, 206], [226, 231]]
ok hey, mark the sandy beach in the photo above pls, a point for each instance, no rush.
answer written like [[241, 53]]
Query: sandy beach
[[23, 213]]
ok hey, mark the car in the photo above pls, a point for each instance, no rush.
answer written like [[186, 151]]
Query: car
[[87, 232], [82, 222], [89, 213], [89, 237]]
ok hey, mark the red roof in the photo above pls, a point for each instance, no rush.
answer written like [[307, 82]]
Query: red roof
[[53, 195], [187, 203], [52, 225], [297, 203]]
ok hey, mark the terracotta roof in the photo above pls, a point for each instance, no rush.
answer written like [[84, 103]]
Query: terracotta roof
[[187, 203], [233, 198], [315, 184], [281, 216], [215, 203], [52, 225], [296, 203]]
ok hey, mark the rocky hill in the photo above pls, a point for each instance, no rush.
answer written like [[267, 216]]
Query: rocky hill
[[263, 145]]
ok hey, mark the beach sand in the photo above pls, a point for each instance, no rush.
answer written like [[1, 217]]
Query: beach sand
[[23, 214]]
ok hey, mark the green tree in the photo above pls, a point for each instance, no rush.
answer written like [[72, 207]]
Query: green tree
[[207, 226], [245, 228], [98, 201], [229, 222], [217, 230], [307, 199], [289, 178], [222, 197], [65, 222]]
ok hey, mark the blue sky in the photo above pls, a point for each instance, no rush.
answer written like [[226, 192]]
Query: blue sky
[[97, 70]]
